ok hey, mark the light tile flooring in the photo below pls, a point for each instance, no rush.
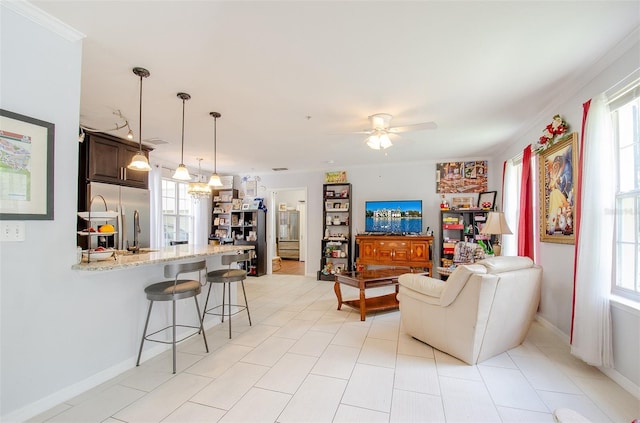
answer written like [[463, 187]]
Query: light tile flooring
[[305, 361]]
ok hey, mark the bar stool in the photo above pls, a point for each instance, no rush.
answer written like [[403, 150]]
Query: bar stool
[[173, 290], [226, 277]]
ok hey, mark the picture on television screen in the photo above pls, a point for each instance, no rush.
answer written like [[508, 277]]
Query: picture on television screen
[[399, 216]]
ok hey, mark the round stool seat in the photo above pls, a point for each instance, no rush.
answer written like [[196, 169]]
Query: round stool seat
[[164, 291], [226, 275]]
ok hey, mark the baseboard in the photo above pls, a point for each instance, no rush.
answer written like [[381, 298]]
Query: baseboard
[[40, 406], [612, 374]]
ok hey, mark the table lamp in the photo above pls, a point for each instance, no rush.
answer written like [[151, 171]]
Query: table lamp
[[496, 225]]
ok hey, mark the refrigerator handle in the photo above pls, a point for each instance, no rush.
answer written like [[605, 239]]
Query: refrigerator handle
[[123, 230]]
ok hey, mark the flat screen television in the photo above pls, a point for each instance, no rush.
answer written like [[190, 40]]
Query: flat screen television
[[397, 216]]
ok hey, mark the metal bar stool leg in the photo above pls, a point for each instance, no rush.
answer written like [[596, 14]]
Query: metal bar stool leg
[[206, 346], [144, 333], [224, 285], [246, 303], [204, 310], [229, 310], [174, 336]]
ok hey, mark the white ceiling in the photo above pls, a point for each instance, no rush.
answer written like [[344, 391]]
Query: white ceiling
[[292, 79]]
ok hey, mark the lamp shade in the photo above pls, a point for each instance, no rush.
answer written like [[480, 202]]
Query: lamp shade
[[215, 180], [496, 224], [374, 142], [385, 142], [181, 173], [139, 162]]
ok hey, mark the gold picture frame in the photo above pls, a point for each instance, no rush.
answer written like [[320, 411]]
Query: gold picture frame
[[558, 176]]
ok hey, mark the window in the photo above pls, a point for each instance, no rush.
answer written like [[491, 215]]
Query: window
[[177, 212], [511, 204], [625, 113]]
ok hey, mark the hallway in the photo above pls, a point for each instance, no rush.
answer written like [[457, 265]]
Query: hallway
[[290, 267]]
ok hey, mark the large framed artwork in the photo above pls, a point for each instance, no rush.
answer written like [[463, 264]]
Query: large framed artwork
[[26, 167], [461, 177], [558, 175]]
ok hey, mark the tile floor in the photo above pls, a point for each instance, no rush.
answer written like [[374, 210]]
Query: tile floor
[[305, 361]]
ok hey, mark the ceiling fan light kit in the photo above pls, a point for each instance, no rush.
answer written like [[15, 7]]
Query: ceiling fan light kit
[[182, 173], [139, 161], [379, 140], [381, 128]]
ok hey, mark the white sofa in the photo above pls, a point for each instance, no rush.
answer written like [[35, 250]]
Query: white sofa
[[482, 310]]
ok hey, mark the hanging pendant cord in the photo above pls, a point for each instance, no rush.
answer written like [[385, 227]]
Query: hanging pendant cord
[[215, 154], [140, 118], [182, 151]]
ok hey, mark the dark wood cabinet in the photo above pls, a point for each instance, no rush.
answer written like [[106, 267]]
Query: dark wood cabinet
[[391, 250], [252, 226], [104, 158]]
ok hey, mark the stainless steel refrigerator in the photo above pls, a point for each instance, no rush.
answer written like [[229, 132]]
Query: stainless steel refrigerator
[[126, 201], [289, 234]]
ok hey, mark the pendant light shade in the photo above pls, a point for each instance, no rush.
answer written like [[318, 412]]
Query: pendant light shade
[[139, 161], [181, 173], [215, 181]]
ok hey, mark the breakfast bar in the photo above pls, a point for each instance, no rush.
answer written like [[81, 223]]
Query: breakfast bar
[[123, 260]]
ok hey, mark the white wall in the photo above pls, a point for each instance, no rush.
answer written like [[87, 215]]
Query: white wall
[[41, 79]]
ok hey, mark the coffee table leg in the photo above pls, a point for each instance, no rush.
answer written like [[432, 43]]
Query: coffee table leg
[[363, 305], [336, 289]]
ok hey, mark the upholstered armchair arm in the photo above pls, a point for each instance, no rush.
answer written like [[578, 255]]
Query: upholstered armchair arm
[[440, 292]]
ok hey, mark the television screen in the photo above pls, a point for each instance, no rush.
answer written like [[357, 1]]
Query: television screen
[[399, 216]]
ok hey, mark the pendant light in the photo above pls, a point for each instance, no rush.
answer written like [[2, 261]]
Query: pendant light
[[181, 172], [139, 161], [215, 181], [199, 189]]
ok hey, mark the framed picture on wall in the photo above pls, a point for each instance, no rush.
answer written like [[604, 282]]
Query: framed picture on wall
[[487, 200], [26, 168], [282, 207], [251, 189], [558, 174]]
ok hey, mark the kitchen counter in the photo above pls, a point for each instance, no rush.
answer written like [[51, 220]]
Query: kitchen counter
[[162, 255]]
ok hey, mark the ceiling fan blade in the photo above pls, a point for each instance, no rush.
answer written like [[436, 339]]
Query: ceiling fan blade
[[416, 127]]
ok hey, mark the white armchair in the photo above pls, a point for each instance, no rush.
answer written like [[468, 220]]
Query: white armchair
[[482, 310]]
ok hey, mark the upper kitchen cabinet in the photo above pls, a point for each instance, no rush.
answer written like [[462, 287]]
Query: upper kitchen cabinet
[[104, 158]]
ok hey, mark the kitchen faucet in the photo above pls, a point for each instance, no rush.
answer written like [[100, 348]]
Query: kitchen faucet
[[136, 230]]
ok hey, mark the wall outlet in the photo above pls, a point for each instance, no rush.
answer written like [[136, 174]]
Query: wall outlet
[[12, 231]]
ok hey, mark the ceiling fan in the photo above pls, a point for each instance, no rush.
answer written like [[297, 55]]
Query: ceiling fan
[[381, 129]]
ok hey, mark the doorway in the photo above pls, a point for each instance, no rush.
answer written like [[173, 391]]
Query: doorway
[[287, 231]]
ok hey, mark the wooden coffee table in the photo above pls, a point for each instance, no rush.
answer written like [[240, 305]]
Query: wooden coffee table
[[372, 278]]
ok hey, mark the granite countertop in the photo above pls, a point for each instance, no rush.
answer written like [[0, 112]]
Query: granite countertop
[[161, 255]]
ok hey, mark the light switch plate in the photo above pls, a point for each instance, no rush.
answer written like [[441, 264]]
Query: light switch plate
[[11, 231]]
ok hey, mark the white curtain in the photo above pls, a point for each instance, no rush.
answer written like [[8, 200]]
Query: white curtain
[[592, 319], [201, 221], [155, 191], [511, 201]]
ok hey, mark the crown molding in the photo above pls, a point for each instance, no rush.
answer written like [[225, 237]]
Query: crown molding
[[42, 18]]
